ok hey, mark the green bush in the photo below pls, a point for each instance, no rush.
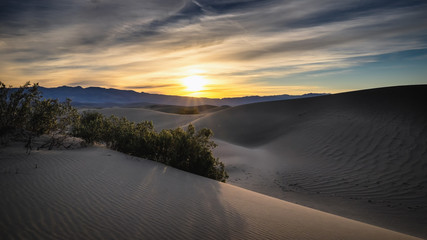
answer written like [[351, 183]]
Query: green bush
[[16, 107], [24, 111], [183, 149], [90, 127]]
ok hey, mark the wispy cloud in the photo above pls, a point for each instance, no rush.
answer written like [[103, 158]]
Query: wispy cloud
[[152, 86], [252, 45]]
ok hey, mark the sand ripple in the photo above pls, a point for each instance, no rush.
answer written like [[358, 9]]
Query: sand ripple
[[96, 193]]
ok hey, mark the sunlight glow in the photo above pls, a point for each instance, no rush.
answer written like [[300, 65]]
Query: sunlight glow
[[194, 83]]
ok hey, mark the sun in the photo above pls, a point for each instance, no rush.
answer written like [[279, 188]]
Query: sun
[[194, 83]]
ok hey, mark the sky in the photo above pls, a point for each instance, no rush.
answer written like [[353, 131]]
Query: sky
[[214, 48]]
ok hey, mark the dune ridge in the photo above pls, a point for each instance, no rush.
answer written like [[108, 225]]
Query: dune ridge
[[360, 154], [96, 193]]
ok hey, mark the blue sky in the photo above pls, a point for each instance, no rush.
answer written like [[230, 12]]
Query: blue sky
[[223, 48]]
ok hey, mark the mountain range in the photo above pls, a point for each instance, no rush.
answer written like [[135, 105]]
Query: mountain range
[[103, 97]]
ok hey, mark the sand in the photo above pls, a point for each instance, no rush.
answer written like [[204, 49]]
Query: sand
[[362, 155], [96, 193], [160, 120]]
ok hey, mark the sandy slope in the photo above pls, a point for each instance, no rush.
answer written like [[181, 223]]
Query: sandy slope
[[160, 120], [95, 193], [361, 155]]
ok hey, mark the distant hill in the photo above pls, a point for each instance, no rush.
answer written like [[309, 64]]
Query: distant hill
[[186, 109], [103, 97]]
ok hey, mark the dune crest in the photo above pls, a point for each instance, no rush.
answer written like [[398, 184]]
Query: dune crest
[[360, 154]]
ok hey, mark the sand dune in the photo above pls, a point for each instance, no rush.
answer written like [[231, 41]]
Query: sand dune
[[361, 155], [96, 193], [161, 120]]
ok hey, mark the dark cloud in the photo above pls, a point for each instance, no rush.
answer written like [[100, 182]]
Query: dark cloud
[[101, 24], [29, 16], [344, 12], [188, 13], [232, 6], [392, 25]]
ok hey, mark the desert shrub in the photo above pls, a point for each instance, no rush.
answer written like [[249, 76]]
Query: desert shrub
[[24, 111], [183, 149], [191, 150], [16, 106], [90, 127]]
